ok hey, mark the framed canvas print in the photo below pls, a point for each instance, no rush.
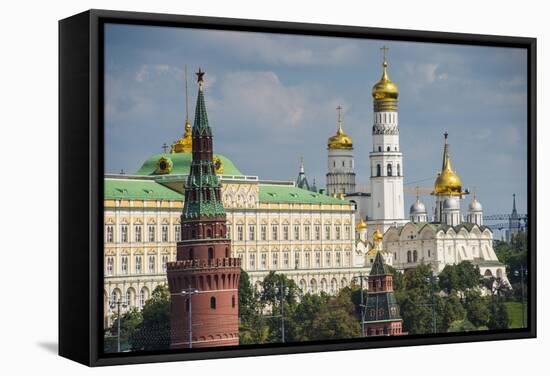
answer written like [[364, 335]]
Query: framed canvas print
[[239, 187]]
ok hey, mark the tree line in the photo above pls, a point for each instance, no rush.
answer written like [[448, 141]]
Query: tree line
[[458, 300]]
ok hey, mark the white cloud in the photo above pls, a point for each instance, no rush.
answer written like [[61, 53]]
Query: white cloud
[[284, 50]]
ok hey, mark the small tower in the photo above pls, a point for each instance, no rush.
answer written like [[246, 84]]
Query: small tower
[[341, 175], [361, 228], [514, 224], [475, 212], [418, 212], [386, 159], [448, 191], [382, 310], [204, 280], [301, 180]]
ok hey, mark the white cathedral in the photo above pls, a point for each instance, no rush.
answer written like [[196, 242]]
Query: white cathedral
[[446, 238]]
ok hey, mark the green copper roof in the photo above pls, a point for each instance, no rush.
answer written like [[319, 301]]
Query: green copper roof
[[132, 189], [181, 164], [293, 195], [382, 307], [379, 267], [201, 127]]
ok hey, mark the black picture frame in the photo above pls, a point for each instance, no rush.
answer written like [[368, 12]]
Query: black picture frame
[[81, 183]]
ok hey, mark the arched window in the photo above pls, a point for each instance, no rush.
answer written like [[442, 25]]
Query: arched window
[[226, 252], [388, 149], [209, 233], [409, 256], [343, 164], [380, 148], [191, 254], [389, 169], [210, 253], [415, 256], [213, 302], [398, 169], [378, 170], [233, 301]]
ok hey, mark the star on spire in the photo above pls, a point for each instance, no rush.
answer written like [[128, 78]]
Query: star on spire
[[200, 75]]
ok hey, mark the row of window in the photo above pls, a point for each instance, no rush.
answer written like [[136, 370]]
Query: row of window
[[317, 262], [296, 233], [130, 298], [389, 170], [124, 235], [138, 267]]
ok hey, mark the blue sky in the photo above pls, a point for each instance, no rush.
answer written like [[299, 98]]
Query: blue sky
[[271, 98]]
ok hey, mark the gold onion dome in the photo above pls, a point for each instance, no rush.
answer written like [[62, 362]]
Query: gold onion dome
[[184, 144], [447, 181], [361, 225], [377, 236], [385, 89], [340, 140]]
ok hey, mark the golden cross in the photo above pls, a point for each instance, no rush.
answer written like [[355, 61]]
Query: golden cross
[[384, 51], [339, 109], [164, 147]]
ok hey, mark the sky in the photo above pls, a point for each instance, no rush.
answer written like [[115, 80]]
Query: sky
[[272, 98]]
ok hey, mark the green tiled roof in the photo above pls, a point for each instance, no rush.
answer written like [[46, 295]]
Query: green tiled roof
[[181, 164], [292, 195], [379, 267], [138, 190]]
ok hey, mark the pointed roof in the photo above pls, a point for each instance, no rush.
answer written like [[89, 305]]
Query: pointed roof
[[201, 127], [379, 267], [301, 180]]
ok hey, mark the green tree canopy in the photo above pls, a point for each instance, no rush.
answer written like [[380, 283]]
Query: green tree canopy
[[153, 333]]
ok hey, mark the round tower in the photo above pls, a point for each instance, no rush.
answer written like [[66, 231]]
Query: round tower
[[341, 175], [386, 159], [204, 280]]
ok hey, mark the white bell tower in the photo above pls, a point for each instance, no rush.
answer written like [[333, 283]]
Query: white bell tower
[[386, 159]]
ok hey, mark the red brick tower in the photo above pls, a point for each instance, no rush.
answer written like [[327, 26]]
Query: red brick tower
[[383, 317], [204, 280]]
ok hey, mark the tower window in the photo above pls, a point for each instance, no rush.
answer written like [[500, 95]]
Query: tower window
[[378, 170], [213, 302], [191, 254], [398, 169], [380, 148], [389, 169], [210, 253], [233, 301], [343, 164], [388, 149]]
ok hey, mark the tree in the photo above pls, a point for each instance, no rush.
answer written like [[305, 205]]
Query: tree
[[153, 333], [477, 308], [304, 316], [498, 316], [252, 325], [129, 321], [273, 297], [459, 278], [452, 311], [415, 301], [337, 321]]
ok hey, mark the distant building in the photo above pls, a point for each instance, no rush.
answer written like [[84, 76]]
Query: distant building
[[514, 223]]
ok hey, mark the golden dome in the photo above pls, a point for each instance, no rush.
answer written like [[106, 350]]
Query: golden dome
[[361, 225], [447, 183], [385, 89], [340, 140], [184, 144], [377, 236]]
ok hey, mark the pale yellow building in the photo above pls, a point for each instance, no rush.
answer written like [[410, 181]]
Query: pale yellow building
[[273, 225]]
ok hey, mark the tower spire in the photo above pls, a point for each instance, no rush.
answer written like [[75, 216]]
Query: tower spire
[[186, 99], [339, 129], [514, 204], [302, 170]]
